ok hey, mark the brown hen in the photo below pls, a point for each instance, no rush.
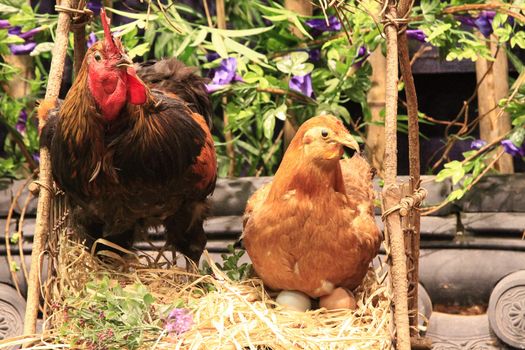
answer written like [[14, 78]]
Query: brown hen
[[312, 229]]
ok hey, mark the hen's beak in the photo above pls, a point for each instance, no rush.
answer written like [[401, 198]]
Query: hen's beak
[[124, 61], [348, 141]]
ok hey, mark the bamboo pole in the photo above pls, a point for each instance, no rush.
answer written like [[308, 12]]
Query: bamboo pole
[[375, 141], [45, 178], [493, 88], [391, 191], [228, 137], [305, 8]]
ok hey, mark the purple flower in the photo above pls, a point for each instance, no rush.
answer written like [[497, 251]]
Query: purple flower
[[360, 58], [512, 149], [179, 321], [92, 39], [22, 121], [4, 23], [15, 30], [212, 56], [314, 55], [477, 144], [483, 22], [36, 157], [319, 25], [30, 33], [95, 6], [416, 34], [224, 74], [302, 84], [22, 49]]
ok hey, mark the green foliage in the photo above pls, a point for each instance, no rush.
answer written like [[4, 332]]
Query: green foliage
[[230, 265], [110, 316]]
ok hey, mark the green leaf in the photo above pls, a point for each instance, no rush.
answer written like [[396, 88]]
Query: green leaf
[[455, 195], [5, 9], [229, 33], [138, 50], [218, 45], [142, 16], [280, 112], [269, 123], [438, 30], [41, 48], [244, 50], [200, 37], [13, 39]]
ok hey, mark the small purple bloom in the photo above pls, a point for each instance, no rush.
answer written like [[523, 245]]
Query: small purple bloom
[[95, 6], [36, 157], [22, 49], [320, 25], [477, 144], [484, 22], [314, 55], [360, 58], [4, 23], [92, 39], [15, 30], [212, 56], [22, 121], [416, 34], [224, 74], [302, 84], [30, 33], [179, 321], [512, 149], [466, 20]]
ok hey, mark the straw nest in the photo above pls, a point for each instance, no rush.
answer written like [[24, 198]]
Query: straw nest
[[225, 314]]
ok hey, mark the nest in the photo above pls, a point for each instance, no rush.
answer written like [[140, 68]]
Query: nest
[[104, 301], [225, 314]]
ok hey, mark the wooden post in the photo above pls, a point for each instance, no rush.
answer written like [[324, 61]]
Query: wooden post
[[44, 199], [375, 141], [391, 191], [494, 87], [305, 8]]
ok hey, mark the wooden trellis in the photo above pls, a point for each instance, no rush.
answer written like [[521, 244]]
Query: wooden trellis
[[395, 210]]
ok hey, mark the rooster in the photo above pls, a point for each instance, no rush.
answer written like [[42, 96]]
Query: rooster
[[131, 147], [312, 229]]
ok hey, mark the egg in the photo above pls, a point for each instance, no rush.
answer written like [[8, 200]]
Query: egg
[[294, 300], [339, 299]]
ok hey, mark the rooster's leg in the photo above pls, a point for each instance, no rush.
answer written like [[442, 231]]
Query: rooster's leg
[[187, 237]]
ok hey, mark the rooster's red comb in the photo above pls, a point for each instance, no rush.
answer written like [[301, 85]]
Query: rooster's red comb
[[109, 42]]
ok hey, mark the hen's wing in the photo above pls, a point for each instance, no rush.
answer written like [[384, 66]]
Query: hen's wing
[[255, 202], [357, 177]]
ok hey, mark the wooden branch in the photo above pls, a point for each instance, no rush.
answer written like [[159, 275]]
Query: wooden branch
[[413, 156], [56, 72], [228, 137], [391, 192]]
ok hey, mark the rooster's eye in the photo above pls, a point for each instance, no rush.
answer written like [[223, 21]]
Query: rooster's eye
[[98, 57], [324, 133]]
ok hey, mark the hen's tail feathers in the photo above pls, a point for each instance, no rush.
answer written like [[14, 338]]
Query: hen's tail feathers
[[172, 76]]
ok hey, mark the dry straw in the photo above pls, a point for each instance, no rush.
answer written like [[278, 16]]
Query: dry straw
[[235, 315]]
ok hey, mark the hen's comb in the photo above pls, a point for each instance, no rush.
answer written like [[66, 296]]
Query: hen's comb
[[109, 43]]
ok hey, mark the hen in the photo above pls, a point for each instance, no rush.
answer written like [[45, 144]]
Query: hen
[[132, 148], [312, 229]]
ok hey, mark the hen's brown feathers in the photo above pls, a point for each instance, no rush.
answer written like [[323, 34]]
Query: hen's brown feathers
[[312, 229]]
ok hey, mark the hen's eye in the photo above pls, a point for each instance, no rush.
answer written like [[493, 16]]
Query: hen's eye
[[324, 133], [98, 57]]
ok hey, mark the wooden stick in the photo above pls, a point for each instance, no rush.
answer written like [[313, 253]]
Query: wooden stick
[[391, 192], [413, 156], [56, 72]]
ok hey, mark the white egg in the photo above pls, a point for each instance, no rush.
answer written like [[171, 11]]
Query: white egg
[[294, 300]]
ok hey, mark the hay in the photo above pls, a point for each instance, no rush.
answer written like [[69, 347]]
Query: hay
[[226, 314]]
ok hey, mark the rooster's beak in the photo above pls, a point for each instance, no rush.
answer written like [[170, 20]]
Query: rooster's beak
[[348, 141], [124, 61]]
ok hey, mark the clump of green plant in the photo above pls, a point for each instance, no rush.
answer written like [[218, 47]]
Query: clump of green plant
[[109, 316], [230, 265]]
